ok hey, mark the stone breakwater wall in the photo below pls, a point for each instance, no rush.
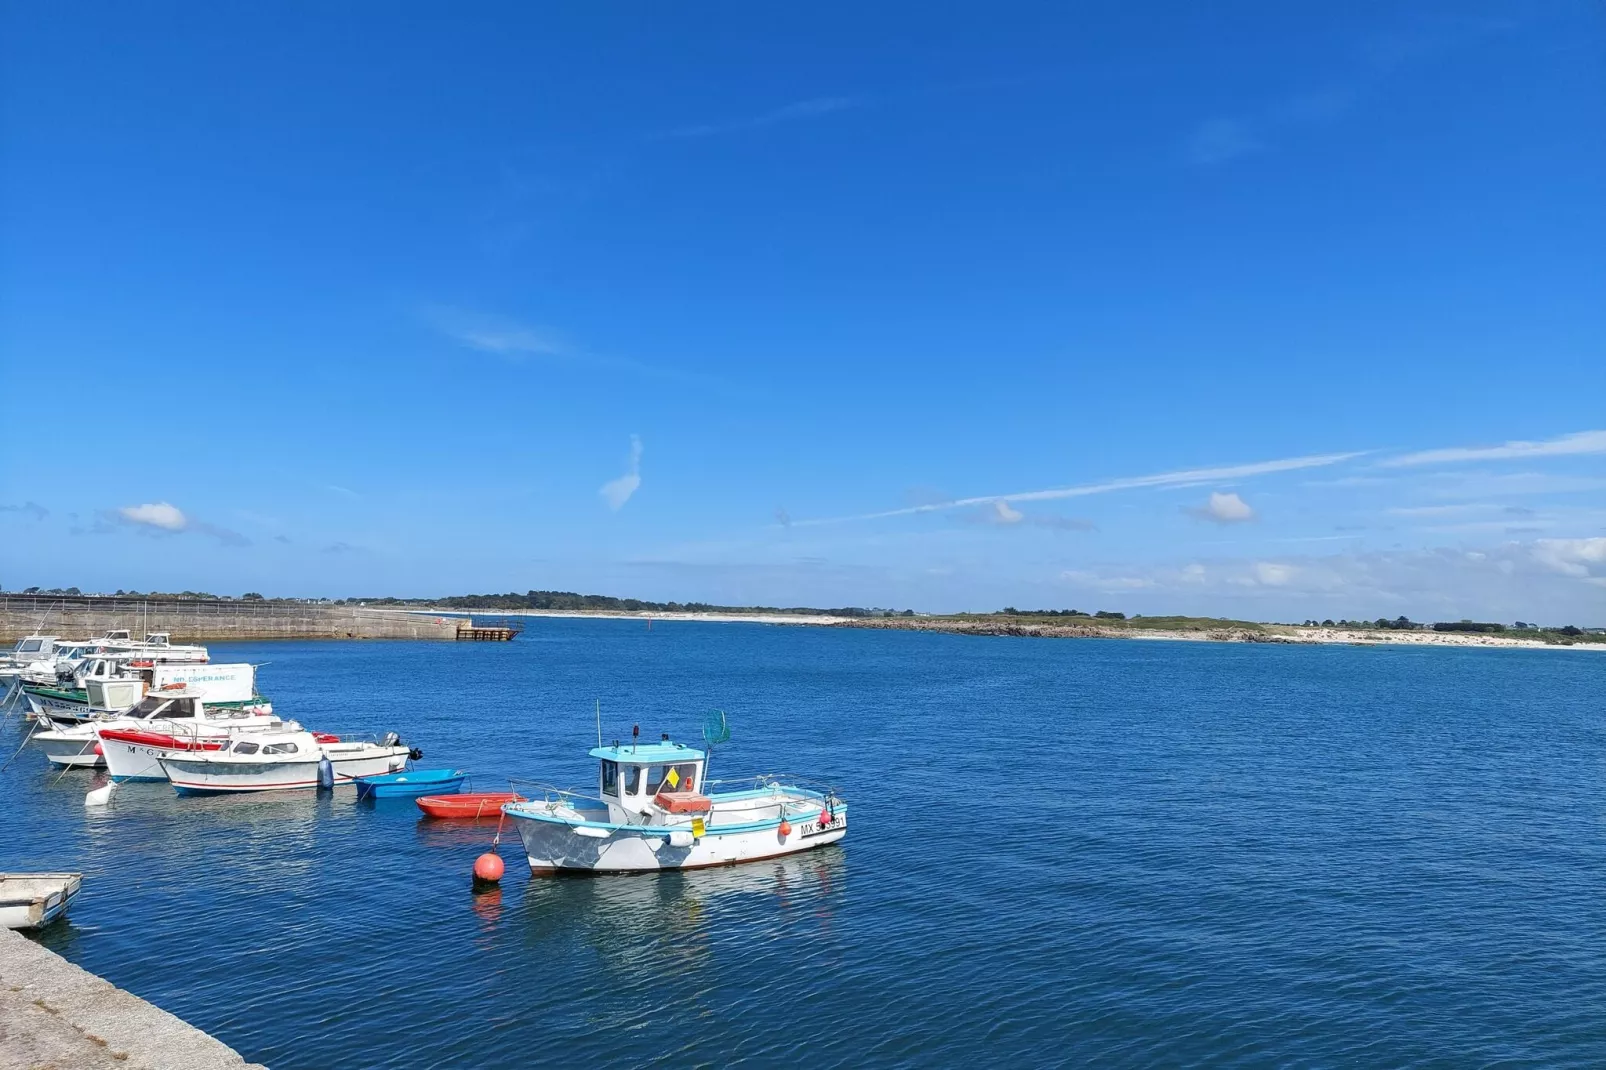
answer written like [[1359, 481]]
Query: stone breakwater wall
[[54, 1014], [213, 621]]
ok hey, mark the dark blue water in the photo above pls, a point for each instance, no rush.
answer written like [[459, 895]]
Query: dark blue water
[[1063, 852]]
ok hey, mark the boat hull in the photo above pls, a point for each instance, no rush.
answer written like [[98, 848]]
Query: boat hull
[[555, 845], [32, 901], [77, 751], [198, 776], [469, 807], [410, 785], [134, 761]]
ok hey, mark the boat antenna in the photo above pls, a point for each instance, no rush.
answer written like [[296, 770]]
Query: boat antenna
[[599, 724]]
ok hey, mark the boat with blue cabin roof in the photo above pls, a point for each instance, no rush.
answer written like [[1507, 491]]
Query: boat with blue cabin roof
[[654, 810]]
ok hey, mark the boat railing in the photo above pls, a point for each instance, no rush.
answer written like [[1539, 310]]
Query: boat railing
[[776, 781]]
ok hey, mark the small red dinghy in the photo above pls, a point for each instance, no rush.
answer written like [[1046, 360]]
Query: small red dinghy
[[469, 807]]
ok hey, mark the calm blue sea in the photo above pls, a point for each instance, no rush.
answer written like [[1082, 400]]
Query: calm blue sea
[[1063, 852]]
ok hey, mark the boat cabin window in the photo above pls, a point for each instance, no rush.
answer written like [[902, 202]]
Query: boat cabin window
[[29, 646], [151, 705], [671, 778], [632, 780], [245, 748], [610, 777], [278, 748]]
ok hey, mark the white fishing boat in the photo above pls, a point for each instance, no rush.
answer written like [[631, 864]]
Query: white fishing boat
[[33, 655], [34, 900], [158, 648], [112, 684], [649, 815], [174, 720], [281, 761]]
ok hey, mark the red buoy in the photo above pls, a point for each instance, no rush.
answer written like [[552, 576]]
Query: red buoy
[[488, 867], [786, 828]]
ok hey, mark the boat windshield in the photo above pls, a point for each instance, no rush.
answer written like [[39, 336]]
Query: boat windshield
[[671, 777], [150, 706], [632, 779], [30, 646], [610, 777]]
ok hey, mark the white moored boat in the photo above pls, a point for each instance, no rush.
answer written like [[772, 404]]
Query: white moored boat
[[648, 815], [280, 761], [169, 720], [34, 900], [112, 684], [34, 656]]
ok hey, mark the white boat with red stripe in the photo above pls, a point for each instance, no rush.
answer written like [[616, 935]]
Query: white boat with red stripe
[[169, 720]]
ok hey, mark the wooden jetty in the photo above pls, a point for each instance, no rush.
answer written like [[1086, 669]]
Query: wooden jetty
[[468, 631]]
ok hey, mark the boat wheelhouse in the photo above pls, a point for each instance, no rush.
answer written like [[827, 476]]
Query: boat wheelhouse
[[655, 810], [33, 655]]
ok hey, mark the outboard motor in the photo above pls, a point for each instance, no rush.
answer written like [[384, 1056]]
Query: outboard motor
[[415, 754]]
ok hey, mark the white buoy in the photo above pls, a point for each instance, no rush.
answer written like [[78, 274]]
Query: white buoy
[[100, 796]]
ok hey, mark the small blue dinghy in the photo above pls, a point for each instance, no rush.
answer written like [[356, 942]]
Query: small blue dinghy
[[410, 783]]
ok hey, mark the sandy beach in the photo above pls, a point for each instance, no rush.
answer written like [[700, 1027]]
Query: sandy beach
[[1005, 626]]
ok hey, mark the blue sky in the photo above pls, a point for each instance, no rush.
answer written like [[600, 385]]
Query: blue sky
[[812, 305]]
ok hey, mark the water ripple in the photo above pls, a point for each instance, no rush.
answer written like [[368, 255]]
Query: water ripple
[[1110, 853]]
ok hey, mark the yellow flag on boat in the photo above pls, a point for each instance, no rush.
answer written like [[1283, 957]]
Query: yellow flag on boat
[[697, 827], [673, 777]]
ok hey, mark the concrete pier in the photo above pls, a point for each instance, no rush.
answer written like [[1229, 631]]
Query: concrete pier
[[55, 1015], [213, 620]]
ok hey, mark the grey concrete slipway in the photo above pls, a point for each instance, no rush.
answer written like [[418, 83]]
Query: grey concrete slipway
[[55, 1016]]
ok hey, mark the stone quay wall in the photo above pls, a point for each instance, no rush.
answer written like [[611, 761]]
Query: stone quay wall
[[198, 620]]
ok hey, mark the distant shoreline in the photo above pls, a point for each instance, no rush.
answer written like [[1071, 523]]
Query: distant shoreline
[[1007, 627]]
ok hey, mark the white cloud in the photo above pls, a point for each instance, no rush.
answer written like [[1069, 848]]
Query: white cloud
[[1003, 514], [1163, 479], [492, 334], [1566, 445], [1571, 557], [156, 515], [618, 491], [1274, 575], [1224, 509]]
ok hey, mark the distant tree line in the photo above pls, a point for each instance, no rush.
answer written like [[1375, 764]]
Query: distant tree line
[[1103, 614], [1470, 626], [570, 602]]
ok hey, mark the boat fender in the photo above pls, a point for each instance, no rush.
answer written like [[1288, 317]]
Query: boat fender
[[786, 828], [326, 774], [680, 838], [415, 754], [100, 796]]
